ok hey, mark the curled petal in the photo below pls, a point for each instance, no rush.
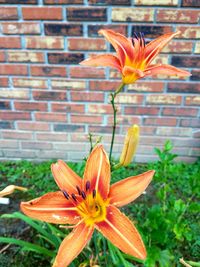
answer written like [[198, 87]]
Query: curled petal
[[65, 177], [97, 171], [104, 61], [72, 245], [154, 47], [130, 75], [122, 233], [51, 207], [167, 70], [121, 44], [127, 190], [10, 189]]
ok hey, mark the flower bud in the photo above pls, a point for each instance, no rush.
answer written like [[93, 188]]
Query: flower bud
[[130, 145], [10, 189]]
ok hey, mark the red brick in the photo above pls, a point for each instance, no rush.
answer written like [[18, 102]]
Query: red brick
[[151, 31], [129, 99], [48, 71], [67, 107], [65, 58], [195, 75], [49, 95], [94, 28], [68, 128], [42, 13], [14, 94], [184, 88], [13, 69], [102, 129], [25, 56], [14, 115], [36, 145], [178, 47], [103, 85], [192, 32], [181, 112], [65, 2], [125, 120], [86, 14], [110, 2], [192, 101], [33, 126], [20, 154], [20, 28], [5, 105], [171, 131], [141, 110], [6, 125], [86, 44], [86, 119], [86, 72], [101, 109], [160, 121], [3, 82], [2, 56], [163, 99], [29, 83], [178, 16], [9, 144], [44, 42], [33, 106], [87, 97], [8, 13], [132, 14], [24, 2], [156, 2], [10, 42], [18, 135], [190, 3], [47, 116], [58, 137], [146, 87], [194, 123]]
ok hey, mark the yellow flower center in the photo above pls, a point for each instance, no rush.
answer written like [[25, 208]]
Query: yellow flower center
[[93, 208]]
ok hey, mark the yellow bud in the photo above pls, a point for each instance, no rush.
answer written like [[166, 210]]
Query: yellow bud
[[10, 189], [130, 145]]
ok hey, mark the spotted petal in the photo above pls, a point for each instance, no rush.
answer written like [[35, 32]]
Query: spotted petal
[[167, 70], [72, 245], [65, 178], [122, 233], [127, 190], [104, 61], [51, 207], [97, 171]]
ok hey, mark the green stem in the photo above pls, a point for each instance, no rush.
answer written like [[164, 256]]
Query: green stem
[[112, 101]]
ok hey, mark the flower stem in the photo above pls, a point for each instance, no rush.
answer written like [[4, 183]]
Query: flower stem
[[112, 101]]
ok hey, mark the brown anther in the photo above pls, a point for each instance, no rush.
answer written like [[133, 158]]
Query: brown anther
[[79, 190], [66, 194], [135, 35], [133, 43], [83, 195], [94, 193], [74, 197], [87, 185]]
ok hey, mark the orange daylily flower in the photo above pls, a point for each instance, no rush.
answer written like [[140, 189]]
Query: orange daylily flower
[[134, 56], [91, 203]]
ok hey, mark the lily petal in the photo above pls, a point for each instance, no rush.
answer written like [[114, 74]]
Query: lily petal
[[121, 44], [72, 245], [127, 190], [65, 177], [167, 70], [97, 171], [130, 74], [51, 207], [154, 47], [104, 61], [122, 233], [10, 189]]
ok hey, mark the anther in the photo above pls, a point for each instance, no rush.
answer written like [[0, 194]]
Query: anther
[[94, 193], [66, 194], [74, 197], [133, 43], [87, 185], [135, 35], [141, 39], [79, 190], [83, 195]]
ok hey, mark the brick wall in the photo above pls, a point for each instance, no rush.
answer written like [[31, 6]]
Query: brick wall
[[49, 103]]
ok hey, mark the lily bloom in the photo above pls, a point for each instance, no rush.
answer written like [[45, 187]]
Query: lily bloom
[[90, 203], [134, 57]]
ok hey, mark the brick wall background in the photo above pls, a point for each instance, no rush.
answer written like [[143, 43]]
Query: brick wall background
[[49, 103]]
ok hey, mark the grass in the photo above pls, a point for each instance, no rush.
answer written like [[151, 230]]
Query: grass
[[167, 216]]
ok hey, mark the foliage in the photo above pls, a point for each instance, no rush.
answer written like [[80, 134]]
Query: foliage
[[167, 216]]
